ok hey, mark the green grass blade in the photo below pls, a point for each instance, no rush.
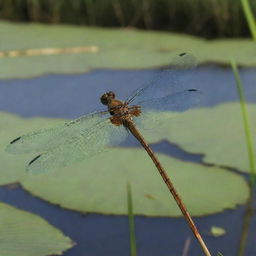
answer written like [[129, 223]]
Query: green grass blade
[[248, 134], [219, 254], [247, 221], [131, 221], [249, 17]]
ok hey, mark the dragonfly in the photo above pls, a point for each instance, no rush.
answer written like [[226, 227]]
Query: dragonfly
[[96, 132]]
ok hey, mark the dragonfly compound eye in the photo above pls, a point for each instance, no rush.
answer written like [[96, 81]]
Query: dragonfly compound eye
[[111, 94], [104, 99]]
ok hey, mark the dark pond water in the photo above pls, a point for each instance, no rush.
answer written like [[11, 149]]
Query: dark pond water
[[69, 96]]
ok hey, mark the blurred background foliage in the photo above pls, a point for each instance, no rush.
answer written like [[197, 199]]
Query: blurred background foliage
[[210, 19]]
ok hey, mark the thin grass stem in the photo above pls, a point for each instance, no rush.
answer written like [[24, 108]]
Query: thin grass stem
[[246, 122], [251, 20], [249, 212], [131, 221]]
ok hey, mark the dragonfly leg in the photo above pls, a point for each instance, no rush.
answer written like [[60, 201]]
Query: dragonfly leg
[[135, 110]]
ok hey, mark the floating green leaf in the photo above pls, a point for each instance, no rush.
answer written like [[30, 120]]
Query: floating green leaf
[[99, 184], [117, 48], [11, 127], [217, 231], [25, 234], [217, 133]]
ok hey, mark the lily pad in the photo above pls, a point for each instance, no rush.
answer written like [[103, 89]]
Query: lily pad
[[116, 49], [99, 184], [217, 231], [217, 133], [12, 126], [25, 234]]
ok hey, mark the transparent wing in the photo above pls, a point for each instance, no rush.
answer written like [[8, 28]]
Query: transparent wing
[[80, 147], [168, 81], [155, 111], [46, 139]]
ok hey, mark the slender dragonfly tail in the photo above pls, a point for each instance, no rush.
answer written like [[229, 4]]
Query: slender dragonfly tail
[[135, 132]]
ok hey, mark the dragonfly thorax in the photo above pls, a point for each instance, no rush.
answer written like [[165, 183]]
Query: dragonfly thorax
[[117, 107]]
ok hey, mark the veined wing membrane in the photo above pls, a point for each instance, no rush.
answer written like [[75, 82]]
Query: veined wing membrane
[[46, 139], [154, 111], [168, 81], [80, 147]]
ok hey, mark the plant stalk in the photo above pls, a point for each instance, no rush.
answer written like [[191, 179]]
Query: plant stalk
[[131, 221], [246, 122]]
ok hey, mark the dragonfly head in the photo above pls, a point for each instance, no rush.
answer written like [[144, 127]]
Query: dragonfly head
[[107, 97]]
